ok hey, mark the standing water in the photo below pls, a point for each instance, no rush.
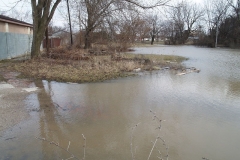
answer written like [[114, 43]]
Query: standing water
[[199, 113]]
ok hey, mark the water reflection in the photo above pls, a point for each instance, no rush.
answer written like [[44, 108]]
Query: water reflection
[[48, 123], [201, 112]]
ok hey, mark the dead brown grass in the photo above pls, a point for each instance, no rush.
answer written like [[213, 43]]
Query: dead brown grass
[[80, 66], [62, 71]]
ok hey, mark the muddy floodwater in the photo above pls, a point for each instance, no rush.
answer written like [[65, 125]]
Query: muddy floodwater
[[200, 114]]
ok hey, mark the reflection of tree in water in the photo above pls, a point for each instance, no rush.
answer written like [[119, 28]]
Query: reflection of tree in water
[[101, 112], [51, 127]]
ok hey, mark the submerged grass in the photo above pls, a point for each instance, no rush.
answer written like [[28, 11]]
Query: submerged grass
[[157, 58], [95, 68]]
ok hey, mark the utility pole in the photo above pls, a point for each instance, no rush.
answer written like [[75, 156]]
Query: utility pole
[[46, 40], [238, 10], [79, 19], [70, 25], [216, 42]]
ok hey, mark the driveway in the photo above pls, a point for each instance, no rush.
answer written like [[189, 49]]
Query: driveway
[[13, 92]]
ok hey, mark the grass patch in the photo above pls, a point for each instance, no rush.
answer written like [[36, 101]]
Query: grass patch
[[2, 78], [72, 72], [83, 67], [3, 65]]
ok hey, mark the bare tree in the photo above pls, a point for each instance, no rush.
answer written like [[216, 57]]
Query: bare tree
[[143, 29], [216, 12], [192, 13], [229, 27], [178, 19], [148, 6], [154, 22], [70, 23], [68, 12], [168, 32], [184, 16], [132, 23], [96, 11], [42, 13], [235, 7]]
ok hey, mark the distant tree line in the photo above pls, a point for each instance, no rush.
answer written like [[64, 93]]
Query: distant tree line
[[212, 24], [223, 21], [216, 22]]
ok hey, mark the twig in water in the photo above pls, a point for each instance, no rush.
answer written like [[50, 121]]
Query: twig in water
[[160, 157], [84, 146], [166, 147], [158, 137], [9, 138], [153, 147], [133, 128], [57, 144], [69, 158], [68, 145]]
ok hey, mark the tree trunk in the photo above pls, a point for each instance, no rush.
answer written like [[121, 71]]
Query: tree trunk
[[36, 44], [87, 42], [87, 39], [38, 35], [70, 24], [42, 13], [153, 37], [35, 48], [216, 39]]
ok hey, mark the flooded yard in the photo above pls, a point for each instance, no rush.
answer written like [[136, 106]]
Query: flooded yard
[[199, 113]]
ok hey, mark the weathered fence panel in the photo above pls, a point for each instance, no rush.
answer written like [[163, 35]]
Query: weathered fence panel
[[14, 45], [3, 44]]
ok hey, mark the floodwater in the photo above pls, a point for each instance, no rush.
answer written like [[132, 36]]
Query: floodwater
[[200, 114]]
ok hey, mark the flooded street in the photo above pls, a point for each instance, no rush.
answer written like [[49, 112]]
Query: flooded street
[[199, 113]]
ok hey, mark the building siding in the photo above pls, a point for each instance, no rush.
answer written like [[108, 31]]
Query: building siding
[[15, 40], [52, 42], [3, 46], [18, 29], [2, 27], [14, 45]]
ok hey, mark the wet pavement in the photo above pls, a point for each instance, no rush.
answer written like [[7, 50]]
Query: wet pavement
[[13, 92]]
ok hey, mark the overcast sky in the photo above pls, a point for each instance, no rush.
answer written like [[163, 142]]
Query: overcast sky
[[6, 5]]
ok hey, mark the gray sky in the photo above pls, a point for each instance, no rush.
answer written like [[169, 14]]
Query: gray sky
[[22, 7]]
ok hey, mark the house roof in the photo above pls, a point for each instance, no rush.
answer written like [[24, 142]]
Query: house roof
[[14, 21]]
